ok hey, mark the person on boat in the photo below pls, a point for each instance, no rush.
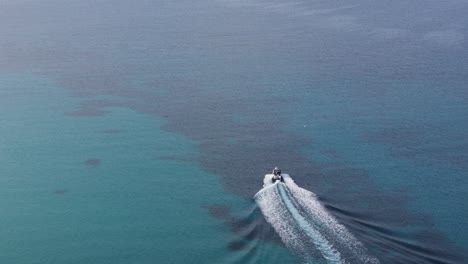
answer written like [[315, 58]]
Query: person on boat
[[277, 174]]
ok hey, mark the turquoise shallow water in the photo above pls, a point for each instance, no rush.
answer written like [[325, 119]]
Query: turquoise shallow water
[[140, 131], [107, 189]]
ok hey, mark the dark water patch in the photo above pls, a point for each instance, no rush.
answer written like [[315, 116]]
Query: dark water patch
[[88, 111], [238, 245], [399, 137], [411, 246], [331, 153], [92, 162], [96, 107], [60, 191], [426, 145], [111, 131], [388, 225], [252, 227]]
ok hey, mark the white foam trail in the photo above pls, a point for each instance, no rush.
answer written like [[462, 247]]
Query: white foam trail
[[327, 250], [306, 227]]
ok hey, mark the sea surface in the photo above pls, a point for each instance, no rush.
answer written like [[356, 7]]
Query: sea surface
[[140, 131]]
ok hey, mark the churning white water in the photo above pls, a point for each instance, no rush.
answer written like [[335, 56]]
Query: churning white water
[[306, 227]]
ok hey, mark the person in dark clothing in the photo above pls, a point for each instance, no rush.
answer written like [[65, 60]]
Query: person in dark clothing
[[277, 174]]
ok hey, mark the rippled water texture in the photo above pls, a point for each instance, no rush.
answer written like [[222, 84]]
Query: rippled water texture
[[139, 131]]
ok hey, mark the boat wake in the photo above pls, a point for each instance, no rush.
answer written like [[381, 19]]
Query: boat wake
[[306, 227]]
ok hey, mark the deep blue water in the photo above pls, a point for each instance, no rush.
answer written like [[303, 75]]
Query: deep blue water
[[139, 131]]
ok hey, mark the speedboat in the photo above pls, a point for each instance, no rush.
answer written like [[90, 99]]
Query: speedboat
[[275, 177]]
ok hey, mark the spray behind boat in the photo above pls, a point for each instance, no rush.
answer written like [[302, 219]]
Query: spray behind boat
[[304, 224]]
